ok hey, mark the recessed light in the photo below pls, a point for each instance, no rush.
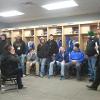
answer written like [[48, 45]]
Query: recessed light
[[28, 3], [11, 13], [60, 5]]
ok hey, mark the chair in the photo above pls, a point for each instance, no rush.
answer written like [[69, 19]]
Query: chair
[[84, 69], [7, 82], [33, 69]]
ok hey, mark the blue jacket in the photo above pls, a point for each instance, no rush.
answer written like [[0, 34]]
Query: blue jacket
[[76, 55], [28, 48], [60, 58]]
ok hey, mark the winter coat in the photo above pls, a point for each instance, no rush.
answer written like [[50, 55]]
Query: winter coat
[[3, 43], [20, 47], [42, 51], [31, 56], [76, 55], [52, 48], [90, 48], [60, 58], [9, 64]]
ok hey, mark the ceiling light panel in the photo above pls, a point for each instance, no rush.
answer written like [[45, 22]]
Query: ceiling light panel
[[60, 5], [11, 13]]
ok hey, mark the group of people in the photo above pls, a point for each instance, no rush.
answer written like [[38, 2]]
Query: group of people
[[49, 56], [49, 53]]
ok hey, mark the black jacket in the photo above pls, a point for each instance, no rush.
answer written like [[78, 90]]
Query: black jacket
[[42, 51], [3, 43], [90, 48], [52, 47], [98, 59], [20, 47], [9, 64]]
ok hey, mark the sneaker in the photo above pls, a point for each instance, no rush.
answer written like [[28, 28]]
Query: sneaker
[[2, 88], [24, 75], [20, 87], [41, 75], [91, 87], [62, 78], [67, 77], [49, 76], [91, 80]]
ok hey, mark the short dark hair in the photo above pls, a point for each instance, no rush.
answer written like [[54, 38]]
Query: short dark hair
[[4, 35], [51, 34], [77, 45], [31, 49], [7, 47]]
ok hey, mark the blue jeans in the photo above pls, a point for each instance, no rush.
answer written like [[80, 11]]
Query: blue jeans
[[91, 67], [42, 62], [22, 62], [58, 63]]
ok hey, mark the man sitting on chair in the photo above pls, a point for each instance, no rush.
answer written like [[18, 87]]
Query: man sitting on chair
[[31, 61], [76, 58], [61, 58], [9, 65]]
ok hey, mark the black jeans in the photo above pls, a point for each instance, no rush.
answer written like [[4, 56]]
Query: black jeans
[[96, 82], [19, 77]]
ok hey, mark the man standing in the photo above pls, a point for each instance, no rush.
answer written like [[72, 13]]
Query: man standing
[[91, 53], [42, 56], [96, 82], [52, 48], [3, 43], [20, 49]]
